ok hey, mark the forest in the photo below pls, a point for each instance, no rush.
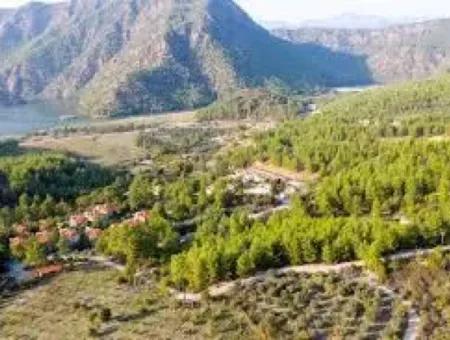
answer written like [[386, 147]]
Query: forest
[[381, 158]]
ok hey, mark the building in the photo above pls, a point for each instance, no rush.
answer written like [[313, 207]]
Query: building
[[77, 221], [44, 237], [69, 234], [17, 241], [100, 212], [93, 234], [45, 225], [20, 229], [141, 217], [47, 270], [264, 189]]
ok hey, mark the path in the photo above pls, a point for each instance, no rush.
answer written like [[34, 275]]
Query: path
[[226, 287], [107, 263], [222, 289]]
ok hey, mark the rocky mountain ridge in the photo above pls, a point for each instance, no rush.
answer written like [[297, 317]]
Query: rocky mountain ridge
[[397, 53], [124, 57]]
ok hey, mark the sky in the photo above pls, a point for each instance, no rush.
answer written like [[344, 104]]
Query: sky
[[295, 11]]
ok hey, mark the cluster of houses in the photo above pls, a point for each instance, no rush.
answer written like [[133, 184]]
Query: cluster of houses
[[137, 219], [95, 214], [76, 225], [71, 230], [258, 182]]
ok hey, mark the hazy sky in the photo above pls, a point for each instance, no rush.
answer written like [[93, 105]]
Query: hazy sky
[[297, 10]]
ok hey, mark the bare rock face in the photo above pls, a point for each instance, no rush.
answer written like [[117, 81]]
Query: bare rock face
[[393, 54], [123, 57]]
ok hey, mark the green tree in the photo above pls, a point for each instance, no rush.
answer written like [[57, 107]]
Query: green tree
[[34, 253], [141, 192]]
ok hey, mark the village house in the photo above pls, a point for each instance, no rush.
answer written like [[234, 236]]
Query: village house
[[141, 217], [20, 229], [45, 225], [17, 241], [100, 212], [69, 234], [93, 234], [47, 270], [263, 189], [77, 221], [250, 176], [44, 237]]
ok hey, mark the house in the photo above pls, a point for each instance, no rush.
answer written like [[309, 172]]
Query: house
[[105, 210], [93, 233], [70, 234], [99, 212], [141, 217], [76, 221], [20, 229], [48, 270], [17, 241], [264, 189], [138, 218], [45, 225], [308, 107], [44, 237]]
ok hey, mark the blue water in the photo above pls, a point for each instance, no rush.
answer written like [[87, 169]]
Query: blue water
[[20, 120]]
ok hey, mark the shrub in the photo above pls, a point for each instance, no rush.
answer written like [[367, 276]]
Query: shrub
[[105, 314]]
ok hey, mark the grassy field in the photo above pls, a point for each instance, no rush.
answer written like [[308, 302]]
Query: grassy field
[[294, 306], [114, 142], [115, 148], [111, 142]]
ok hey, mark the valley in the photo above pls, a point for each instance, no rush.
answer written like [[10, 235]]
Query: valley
[[187, 205], [220, 181]]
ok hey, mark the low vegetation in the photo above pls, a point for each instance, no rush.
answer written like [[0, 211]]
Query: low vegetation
[[209, 205], [90, 302], [252, 104]]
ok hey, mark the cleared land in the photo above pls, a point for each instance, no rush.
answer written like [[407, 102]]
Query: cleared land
[[114, 142], [107, 149], [70, 306]]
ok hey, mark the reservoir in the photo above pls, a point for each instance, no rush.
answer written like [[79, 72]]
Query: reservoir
[[19, 120]]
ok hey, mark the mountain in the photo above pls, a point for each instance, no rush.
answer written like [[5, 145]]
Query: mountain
[[132, 56], [396, 53], [356, 21], [272, 25]]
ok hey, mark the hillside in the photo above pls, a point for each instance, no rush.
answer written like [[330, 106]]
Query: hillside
[[253, 104], [395, 102], [133, 56], [396, 53]]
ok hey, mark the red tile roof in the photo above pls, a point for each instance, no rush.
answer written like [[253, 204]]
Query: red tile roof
[[93, 233]]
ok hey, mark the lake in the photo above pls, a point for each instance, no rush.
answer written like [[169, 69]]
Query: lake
[[19, 120]]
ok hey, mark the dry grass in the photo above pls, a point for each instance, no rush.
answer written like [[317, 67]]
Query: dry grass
[[106, 149], [62, 309], [280, 307]]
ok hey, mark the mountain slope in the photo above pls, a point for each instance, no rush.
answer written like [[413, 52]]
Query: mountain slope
[[393, 54], [133, 56]]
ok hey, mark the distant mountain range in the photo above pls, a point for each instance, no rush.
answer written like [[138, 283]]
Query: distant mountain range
[[346, 21], [395, 53], [123, 57], [358, 21]]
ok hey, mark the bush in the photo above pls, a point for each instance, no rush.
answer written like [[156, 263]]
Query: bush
[[105, 314]]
